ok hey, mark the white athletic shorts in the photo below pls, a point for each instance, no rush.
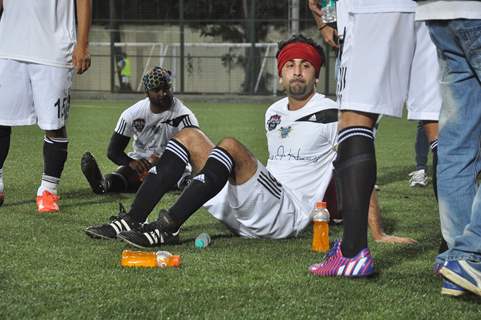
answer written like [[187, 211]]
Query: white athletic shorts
[[34, 93], [260, 208], [388, 59]]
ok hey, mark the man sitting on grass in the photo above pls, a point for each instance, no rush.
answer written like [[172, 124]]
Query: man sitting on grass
[[151, 122], [252, 200]]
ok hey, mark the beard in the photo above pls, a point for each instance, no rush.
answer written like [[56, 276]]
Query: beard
[[164, 102], [298, 89]]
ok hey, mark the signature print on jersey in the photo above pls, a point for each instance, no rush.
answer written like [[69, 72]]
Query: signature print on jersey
[[139, 124], [273, 121]]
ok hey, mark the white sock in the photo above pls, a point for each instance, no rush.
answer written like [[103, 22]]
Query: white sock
[[1, 180], [49, 184]]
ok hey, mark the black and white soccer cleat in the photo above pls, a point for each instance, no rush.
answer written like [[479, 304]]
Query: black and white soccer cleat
[[162, 231], [92, 173], [119, 223]]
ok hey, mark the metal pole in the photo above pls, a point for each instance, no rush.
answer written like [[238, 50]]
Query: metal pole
[[252, 40], [182, 45], [294, 17], [112, 16]]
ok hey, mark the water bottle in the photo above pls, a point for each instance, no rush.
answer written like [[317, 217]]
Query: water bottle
[[149, 259], [202, 240], [320, 228], [328, 8]]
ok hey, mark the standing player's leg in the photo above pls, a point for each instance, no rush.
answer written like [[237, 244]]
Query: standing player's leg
[[229, 160], [5, 132], [51, 96]]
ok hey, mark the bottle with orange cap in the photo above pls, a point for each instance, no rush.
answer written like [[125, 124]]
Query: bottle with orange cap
[[149, 259], [320, 227]]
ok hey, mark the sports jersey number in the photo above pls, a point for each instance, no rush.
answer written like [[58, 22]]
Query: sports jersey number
[[63, 107]]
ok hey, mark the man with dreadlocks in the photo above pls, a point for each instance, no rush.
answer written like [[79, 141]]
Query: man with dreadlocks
[[152, 122]]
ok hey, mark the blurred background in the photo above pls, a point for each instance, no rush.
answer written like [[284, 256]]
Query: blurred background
[[211, 46]]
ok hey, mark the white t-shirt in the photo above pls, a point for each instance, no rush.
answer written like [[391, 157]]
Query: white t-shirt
[[39, 31], [374, 6], [301, 146], [152, 131], [448, 9]]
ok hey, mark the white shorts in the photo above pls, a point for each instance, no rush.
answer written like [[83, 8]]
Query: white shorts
[[260, 208], [34, 93], [389, 59]]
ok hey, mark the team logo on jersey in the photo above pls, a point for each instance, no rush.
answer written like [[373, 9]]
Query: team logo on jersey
[[285, 131], [139, 124], [273, 122]]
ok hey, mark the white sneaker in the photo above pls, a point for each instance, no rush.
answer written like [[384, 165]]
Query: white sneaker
[[418, 178]]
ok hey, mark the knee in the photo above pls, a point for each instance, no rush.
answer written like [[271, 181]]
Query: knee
[[189, 136], [229, 144], [58, 133], [5, 131]]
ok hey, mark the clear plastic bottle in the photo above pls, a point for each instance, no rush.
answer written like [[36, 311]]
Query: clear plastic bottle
[[320, 228], [202, 240], [328, 8], [149, 259]]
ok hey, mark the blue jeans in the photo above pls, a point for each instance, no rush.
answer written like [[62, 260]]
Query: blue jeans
[[459, 51]]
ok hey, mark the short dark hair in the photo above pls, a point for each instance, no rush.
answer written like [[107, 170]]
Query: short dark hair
[[301, 38]]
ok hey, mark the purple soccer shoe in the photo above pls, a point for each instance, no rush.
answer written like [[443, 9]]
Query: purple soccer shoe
[[336, 265]]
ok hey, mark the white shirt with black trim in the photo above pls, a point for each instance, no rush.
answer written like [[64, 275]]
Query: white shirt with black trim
[[39, 31], [302, 146], [152, 131]]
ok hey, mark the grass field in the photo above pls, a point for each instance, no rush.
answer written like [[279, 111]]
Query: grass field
[[49, 269]]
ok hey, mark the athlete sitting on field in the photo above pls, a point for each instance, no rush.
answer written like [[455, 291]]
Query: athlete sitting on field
[[254, 201], [151, 122]]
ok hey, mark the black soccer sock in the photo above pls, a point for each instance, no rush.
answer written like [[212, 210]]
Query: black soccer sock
[[115, 182], [434, 150], [355, 172], [54, 157], [5, 133], [204, 186], [160, 180]]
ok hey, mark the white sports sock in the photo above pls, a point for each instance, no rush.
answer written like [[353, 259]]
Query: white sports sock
[[49, 184], [1, 180]]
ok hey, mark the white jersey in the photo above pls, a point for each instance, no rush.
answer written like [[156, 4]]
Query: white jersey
[[302, 146], [152, 131], [373, 6], [39, 31]]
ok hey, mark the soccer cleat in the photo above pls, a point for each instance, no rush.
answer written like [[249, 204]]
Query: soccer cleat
[[92, 173], [119, 223], [451, 289], [418, 178], [464, 273], [47, 202], [162, 231], [336, 265], [2, 198]]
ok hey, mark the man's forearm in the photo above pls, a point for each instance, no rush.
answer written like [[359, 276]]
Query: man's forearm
[[84, 21]]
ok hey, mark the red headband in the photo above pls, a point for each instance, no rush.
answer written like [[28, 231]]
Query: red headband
[[299, 50]]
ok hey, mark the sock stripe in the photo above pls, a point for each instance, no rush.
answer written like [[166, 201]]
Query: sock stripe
[[434, 145], [50, 179], [354, 131], [178, 149], [222, 157]]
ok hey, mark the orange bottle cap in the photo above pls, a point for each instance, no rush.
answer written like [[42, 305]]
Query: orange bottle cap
[[321, 204], [174, 261]]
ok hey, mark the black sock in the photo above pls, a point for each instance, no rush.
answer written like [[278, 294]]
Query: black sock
[[434, 150], [160, 180], [204, 186], [54, 156], [115, 182], [355, 172], [4, 143]]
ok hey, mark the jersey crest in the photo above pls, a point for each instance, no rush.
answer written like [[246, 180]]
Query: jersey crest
[[273, 122], [139, 124], [285, 131]]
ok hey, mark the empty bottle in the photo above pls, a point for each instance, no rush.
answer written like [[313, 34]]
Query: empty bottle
[[328, 8], [202, 240], [149, 259], [320, 228]]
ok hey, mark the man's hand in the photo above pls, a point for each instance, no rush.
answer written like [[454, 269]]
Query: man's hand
[[81, 59], [329, 35], [141, 166], [384, 238]]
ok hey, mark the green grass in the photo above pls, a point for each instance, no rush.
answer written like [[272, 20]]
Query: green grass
[[49, 269]]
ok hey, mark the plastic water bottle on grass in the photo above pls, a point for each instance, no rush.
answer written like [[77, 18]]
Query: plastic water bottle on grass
[[202, 240], [149, 259], [320, 228]]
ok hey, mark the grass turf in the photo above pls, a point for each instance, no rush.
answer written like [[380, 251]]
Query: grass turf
[[50, 269]]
